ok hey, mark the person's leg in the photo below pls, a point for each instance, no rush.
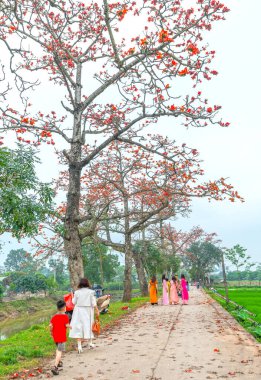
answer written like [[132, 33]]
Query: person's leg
[[58, 357], [79, 343]]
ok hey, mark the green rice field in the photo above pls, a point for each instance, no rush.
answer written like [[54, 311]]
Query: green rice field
[[247, 299], [250, 298]]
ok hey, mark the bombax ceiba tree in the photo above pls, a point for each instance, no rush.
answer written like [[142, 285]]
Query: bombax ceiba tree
[[104, 78]]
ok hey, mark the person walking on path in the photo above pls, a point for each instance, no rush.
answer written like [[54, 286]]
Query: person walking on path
[[83, 314], [58, 326], [153, 291], [184, 290], [165, 291], [174, 298]]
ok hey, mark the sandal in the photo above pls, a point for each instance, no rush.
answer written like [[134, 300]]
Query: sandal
[[55, 370]]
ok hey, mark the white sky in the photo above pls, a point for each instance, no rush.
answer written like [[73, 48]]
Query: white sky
[[232, 152]]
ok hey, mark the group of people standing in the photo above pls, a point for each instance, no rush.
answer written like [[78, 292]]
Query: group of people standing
[[170, 290]]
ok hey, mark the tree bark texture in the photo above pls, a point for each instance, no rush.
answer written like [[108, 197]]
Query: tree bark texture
[[72, 239], [127, 271], [128, 254], [141, 274]]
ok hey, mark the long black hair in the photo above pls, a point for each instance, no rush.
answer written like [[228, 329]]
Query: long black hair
[[163, 277]]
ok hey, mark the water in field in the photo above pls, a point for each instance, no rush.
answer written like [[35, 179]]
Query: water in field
[[10, 326]]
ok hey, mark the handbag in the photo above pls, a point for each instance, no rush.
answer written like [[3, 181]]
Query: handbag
[[68, 300], [96, 326]]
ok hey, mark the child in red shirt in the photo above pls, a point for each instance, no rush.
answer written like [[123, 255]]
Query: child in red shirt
[[58, 325]]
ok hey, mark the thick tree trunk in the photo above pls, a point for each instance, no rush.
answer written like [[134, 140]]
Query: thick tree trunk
[[72, 239], [127, 271], [141, 274]]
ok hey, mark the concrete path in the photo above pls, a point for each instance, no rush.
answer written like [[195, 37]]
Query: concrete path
[[199, 341]]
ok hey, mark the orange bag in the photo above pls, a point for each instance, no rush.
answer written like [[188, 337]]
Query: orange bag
[[96, 326]]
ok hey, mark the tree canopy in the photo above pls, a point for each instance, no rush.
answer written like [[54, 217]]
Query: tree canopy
[[202, 258], [24, 200]]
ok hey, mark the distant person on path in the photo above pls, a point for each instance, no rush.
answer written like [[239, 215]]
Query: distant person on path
[[153, 291], [178, 285], [184, 290], [83, 314], [58, 326], [187, 285], [174, 298], [165, 291], [168, 283]]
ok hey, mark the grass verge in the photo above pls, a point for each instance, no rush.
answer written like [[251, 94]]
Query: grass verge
[[27, 348], [248, 299]]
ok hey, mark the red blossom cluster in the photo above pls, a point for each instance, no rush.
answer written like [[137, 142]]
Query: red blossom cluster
[[164, 36], [121, 13]]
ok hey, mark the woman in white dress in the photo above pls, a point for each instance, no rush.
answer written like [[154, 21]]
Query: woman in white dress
[[83, 314]]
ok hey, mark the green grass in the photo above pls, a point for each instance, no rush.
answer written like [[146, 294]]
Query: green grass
[[27, 348], [249, 299]]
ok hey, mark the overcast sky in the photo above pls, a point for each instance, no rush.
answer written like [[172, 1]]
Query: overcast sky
[[232, 152]]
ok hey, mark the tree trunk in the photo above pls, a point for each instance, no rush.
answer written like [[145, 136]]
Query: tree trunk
[[224, 277], [101, 266], [72, 239], [141, 274], [128, 269]]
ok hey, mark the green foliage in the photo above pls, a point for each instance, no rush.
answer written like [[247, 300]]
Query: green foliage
[[24, 200], [237, 256], [99, 265], [155, 260], [59, 270], [24, 282], [1, 292], [18, 260], [202, 258], [248, 275]]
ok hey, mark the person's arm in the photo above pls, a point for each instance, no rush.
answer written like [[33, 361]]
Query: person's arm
[[68, 326], [96, 311], [94, 304], [51, 328], [74, 298]]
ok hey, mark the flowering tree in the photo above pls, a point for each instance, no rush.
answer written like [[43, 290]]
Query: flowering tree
[[87, 53], [137, 187], [177, 241]]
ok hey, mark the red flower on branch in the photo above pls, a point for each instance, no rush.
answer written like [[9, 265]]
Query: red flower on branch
[[183, 72], [193, 49], [164, 36]]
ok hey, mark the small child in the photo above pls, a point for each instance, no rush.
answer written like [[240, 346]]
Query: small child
[[58, 325]]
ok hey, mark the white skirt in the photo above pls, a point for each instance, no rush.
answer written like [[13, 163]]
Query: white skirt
[[81, 323]]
